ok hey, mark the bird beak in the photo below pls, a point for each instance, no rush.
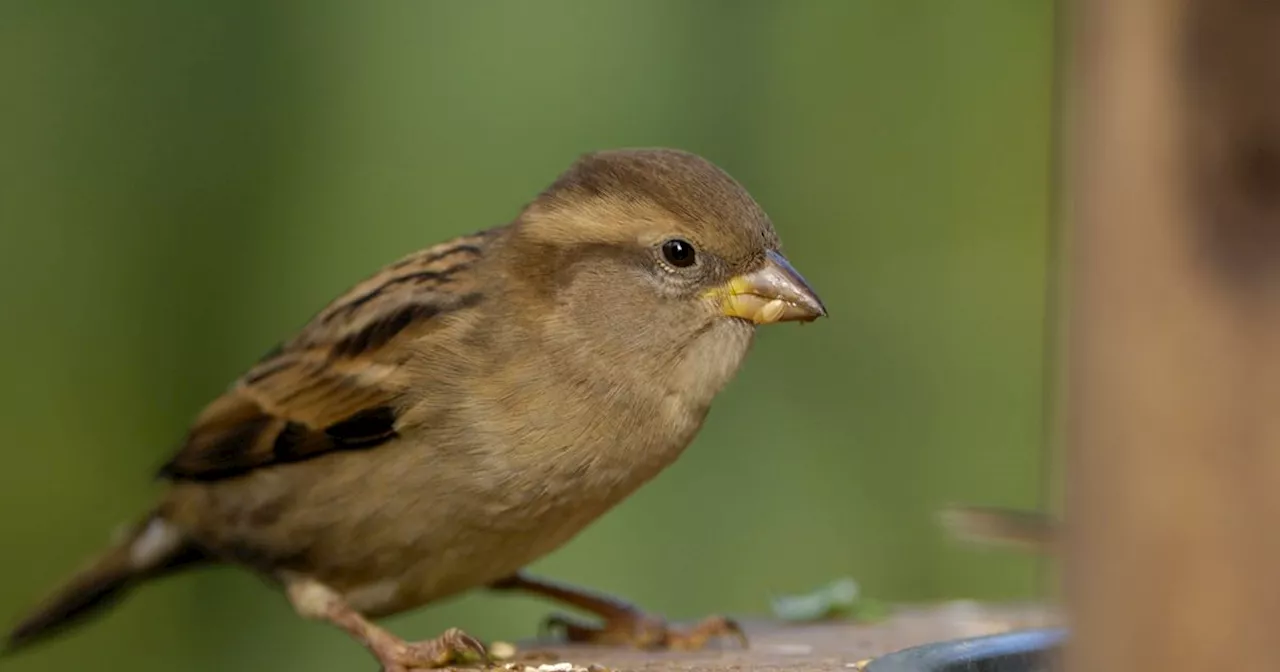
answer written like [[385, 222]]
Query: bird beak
[[773, 293]]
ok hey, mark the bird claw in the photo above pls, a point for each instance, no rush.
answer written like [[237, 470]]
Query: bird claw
[[454, 646], [709, 628], [642, 631]]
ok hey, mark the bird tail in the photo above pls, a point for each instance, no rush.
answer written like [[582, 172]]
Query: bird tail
[[148, 550]]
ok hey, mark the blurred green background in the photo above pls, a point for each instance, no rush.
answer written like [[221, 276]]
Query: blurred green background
[[183, 183]]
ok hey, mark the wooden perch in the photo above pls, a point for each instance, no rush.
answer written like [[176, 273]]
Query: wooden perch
[[835, 646], [1173, 345]]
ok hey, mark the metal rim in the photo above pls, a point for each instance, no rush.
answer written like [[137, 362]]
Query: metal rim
[[1006, 652]]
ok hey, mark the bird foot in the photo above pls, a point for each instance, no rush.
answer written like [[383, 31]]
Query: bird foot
[[644, 631], [454, 646]]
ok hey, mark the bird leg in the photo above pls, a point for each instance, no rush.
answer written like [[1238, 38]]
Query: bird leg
[[624, 623], [315, 601]]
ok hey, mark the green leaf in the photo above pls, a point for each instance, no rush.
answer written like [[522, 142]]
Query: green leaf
[[836, 599]]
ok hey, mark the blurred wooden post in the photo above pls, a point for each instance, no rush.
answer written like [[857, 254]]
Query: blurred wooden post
[[1173, 345]]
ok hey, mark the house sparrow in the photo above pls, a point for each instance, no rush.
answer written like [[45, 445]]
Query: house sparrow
[[472, 407], [1027, 530]]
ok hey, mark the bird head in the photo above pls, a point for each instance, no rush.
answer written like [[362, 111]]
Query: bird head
[[657, 251]]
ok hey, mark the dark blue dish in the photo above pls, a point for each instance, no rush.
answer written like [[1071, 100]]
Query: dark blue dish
[[1021, 651]]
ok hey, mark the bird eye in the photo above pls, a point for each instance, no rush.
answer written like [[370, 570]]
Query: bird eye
[[678, 253]]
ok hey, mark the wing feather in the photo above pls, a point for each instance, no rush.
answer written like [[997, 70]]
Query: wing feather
[[337, 384]]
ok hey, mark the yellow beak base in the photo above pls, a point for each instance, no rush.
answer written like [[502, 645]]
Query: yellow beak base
[[775, 292]]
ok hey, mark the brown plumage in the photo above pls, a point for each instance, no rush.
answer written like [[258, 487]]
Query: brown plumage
[[472, 407]]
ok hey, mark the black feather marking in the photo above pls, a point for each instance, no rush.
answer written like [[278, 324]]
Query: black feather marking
[[238, 443], [368, 428], [290, 442], [233, 452], [470, 250], [227, 454], [377, 333], [441, 277]]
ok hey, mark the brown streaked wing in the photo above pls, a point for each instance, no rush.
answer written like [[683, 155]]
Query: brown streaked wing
[[336, 384]]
